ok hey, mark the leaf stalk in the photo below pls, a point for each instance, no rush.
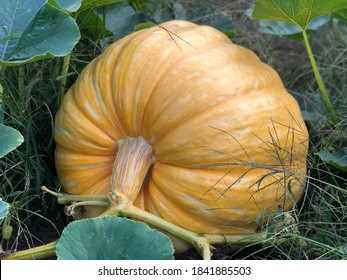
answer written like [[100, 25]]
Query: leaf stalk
[[64, 71], [322, 88]]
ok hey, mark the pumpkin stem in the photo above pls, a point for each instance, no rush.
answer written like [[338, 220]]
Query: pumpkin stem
[[134, 157]]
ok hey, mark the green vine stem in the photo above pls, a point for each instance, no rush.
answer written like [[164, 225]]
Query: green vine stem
[[39, 252], [67, 198], [20, 78], [119, 205], [122, 207], [64, 71], [133, 160], [333, 115]]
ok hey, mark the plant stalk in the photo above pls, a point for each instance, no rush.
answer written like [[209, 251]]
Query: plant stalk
[[36, 253], [134, 157], [200, 242], [67, 198], [322, 88], [20, 78], [64, 71], [120, 205]]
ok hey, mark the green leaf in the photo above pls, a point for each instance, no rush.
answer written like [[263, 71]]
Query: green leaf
[[341, 15], [33, 30], [120, 18], [219, 20], [10, 139], [312, 108], [94, 24], [179, 11], [286, 29], [298, 12], [4, 206], [337, 159], [112, 238], [90, 4], [70, 5], [157, 10]]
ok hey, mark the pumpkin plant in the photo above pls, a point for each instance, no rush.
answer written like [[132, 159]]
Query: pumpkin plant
[[178, 127]]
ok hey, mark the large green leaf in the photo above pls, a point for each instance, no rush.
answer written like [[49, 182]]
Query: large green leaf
[[112, 238], [287, 29], [337, 159], [35, 29], [120, 18], [298, 12], [10, 139], [4, 206]]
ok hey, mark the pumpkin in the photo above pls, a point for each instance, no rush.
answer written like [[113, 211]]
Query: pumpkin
[[189, 126]]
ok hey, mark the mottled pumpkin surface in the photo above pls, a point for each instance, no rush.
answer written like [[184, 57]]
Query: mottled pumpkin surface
[[229, 141]]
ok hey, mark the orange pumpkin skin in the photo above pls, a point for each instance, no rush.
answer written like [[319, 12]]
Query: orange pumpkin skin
[[229, 141]]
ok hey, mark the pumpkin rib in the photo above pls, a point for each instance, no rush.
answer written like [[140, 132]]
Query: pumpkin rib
[[175, 145], [110, 128], [102, 72], [132, 47], [80, 146], [100, 89], [76, 127], [154, 89], [127, 49], [193, 117], [92, 121], [186, 217], [81, 161], [97, 95], [152, 51], [101, 188], [89, 183], [249, 89], [165, 197], [68, 162]]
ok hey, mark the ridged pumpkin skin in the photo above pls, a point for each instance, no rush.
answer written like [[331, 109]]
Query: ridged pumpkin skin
[[227, 138]]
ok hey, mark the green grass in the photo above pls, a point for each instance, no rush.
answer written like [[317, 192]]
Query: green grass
[[31, 94], [29, 108]]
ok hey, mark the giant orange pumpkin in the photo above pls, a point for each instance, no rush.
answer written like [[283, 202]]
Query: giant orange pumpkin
[[203, 133]]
